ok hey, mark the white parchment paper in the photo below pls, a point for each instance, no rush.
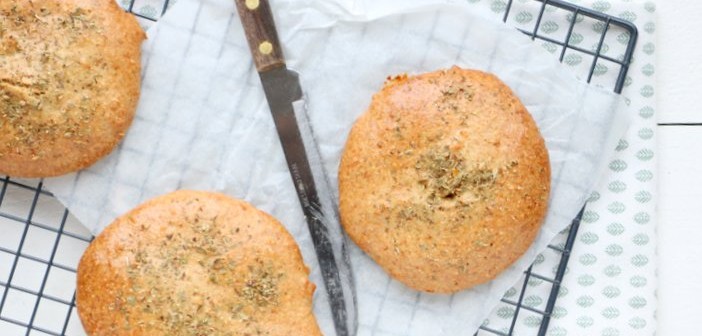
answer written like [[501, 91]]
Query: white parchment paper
[[203, 123]]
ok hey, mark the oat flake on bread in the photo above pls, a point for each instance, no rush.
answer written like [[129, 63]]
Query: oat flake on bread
[[69, 83], [444, 180]]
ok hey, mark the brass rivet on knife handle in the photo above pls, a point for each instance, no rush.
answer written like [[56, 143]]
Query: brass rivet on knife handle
[[252, 4], [257, 19], [265, 48]]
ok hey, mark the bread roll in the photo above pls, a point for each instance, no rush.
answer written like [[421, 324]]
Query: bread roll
[[444, 180], [69, 83], [195, 263]]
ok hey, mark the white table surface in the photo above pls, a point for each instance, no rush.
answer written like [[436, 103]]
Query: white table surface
[[680, 179]]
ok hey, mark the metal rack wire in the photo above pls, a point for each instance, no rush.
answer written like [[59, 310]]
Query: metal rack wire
[[41, 243]]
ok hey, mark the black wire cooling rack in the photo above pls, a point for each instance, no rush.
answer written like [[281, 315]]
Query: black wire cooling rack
[[41, 243]]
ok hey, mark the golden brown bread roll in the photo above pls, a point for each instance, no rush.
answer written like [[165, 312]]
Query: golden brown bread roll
[[69, 83], [195, 263], [444, 181]]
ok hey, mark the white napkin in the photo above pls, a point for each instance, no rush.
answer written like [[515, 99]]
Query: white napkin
[[203, 123]]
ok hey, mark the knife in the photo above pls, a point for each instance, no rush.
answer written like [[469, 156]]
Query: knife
[[285, 100]]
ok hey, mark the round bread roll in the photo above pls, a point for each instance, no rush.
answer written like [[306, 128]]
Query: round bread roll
[[69, 83], [445, 180], [195, 263]]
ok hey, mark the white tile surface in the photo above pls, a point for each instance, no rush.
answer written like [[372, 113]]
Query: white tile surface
[[679, 66], [679, 230], [680, 252]]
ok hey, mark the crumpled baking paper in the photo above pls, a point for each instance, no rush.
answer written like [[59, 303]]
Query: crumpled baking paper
[[203, 123]]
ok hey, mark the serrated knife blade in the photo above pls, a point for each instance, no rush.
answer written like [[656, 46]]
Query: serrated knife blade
[[285, 100]]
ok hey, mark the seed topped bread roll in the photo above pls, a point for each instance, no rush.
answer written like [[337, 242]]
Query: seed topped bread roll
[[444, 181], [195, 263], [69, 83]]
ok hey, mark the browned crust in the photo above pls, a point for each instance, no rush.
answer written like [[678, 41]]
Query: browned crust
[[444, 181], [69, 83], [195, 263]]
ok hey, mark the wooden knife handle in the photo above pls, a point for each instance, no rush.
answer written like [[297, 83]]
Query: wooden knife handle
[[259, 27]]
